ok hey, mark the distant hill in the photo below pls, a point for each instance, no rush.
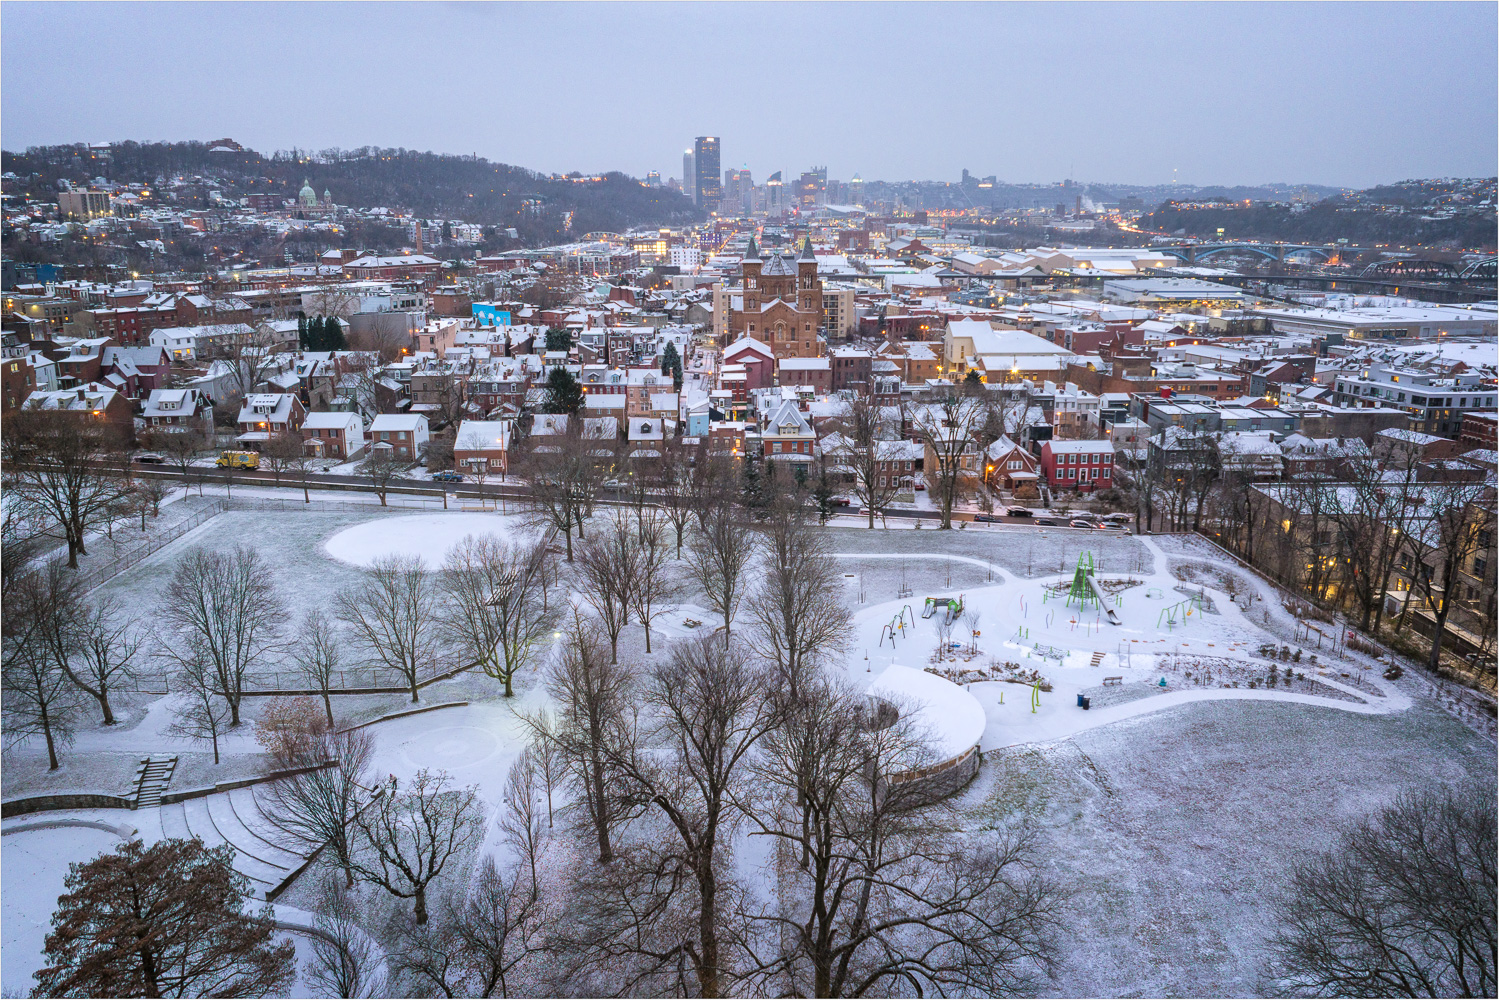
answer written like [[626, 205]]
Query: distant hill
[[1447, 214], [428, 185]]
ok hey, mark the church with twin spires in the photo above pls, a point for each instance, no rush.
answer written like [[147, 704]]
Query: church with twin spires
[[781, 303]]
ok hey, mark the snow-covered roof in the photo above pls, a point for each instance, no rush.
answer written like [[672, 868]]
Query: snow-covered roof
[[398, 422], [482, 435], [953, 721], [1080, 447], [332, 420]]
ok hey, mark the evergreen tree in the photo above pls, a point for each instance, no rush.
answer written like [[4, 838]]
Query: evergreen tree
[[671, 364], [973, 380], [558, 339], [822, 495], [564, 394], [333, 335], [751, 486], [302, 333], [315, 334]]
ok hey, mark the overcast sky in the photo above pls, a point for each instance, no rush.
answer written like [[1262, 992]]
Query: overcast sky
[[1344, 94]]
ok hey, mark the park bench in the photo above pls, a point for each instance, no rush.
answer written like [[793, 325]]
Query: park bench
[[1108, 681], [691, 622]]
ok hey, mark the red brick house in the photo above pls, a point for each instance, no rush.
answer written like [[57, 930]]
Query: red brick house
[[1078, 465]]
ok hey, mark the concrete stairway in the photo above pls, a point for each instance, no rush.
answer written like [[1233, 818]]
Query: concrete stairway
[[264, 851], [151, 779]]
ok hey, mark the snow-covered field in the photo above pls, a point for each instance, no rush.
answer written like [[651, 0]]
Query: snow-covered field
[[427, 536], [1172, 809]]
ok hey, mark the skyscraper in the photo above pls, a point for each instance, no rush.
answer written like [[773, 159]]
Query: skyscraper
[[689, 176], [709, 179]]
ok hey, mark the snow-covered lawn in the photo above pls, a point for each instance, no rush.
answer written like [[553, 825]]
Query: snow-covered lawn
[[1172, 810], [428, 536], [1175, 828], [33, 865]]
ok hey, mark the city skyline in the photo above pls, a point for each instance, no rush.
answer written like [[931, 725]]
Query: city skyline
[[1299, 94]]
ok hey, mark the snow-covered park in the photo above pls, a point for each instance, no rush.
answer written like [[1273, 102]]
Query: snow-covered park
[[1205, 757]]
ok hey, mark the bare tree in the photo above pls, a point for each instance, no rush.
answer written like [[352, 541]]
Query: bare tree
[[408, 837], [797, 616], [346, 961], [318, 805], [1461, 514], [864, 450], [395, 613], [669, 900], [317, 652], [565, 479], [714, 484], [40, 698], [22, 536], [381, 468], [227, 607], [673, 488], [722, 549], [482, 940], [947, 425], [594, 700], [250, 353], [609, 566], [654, 583], [1373, 514], [880, 894], [281, 453], [64, 468], [108, 649], [495, 609], [181, 446], [199, 714], [551, 767], [1403, 906], [146, 497], [520, 818]]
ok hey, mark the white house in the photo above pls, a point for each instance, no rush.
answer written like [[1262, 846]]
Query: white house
[[333, 435], [405, 434]]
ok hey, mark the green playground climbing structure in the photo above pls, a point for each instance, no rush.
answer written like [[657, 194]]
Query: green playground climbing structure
[[951, 606], [1085, 589]]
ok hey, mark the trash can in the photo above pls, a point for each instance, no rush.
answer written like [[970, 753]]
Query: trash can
[[1080, 700], [1087, 702]]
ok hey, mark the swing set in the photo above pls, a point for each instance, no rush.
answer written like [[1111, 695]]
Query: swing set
[[899, 623], [1181, 610]]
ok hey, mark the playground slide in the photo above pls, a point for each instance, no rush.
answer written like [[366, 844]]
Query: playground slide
[[1103, 601]]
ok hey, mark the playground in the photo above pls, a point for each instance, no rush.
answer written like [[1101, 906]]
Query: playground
[[1051, 656]]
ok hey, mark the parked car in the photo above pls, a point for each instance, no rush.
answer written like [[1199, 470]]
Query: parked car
[[839, 502], [1118, 516], [1019, 512], [151, 458], [614, 485], [1083, 522], [447, 477], [1049, 522], [987, 518]]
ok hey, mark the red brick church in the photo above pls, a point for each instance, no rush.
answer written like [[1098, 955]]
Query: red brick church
[[782, 303]]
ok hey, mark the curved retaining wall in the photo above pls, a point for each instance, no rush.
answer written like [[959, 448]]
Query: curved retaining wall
[[63, 800]]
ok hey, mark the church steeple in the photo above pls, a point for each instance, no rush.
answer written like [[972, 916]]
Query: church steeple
[[753, 253], [806, 253]]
